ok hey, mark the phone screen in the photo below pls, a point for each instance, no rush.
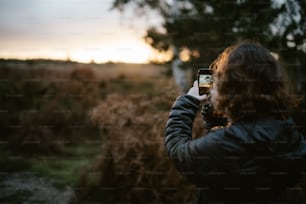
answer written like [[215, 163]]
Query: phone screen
[[204, 80]]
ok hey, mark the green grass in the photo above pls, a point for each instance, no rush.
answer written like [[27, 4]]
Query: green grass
[[9, 163], [66, 169]]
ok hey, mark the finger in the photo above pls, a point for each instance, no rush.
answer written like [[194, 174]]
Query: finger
[[195, 83], [203, 97]]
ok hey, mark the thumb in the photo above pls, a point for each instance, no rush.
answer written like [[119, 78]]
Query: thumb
[[203, 97]]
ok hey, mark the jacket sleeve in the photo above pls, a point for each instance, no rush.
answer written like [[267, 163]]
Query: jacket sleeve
[[178, 132], [200, 158]]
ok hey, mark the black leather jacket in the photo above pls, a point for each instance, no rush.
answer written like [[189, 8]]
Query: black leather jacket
[[250, 161]]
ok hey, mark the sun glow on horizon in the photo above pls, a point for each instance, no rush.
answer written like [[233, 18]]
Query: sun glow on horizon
[[129, 52]]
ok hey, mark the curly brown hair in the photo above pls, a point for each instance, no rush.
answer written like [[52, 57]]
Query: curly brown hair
[[250, 82]]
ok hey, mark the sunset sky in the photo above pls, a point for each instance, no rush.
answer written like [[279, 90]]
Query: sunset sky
[[81, 30]]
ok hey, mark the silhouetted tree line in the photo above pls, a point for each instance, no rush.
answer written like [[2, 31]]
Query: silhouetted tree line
[[203, 28]]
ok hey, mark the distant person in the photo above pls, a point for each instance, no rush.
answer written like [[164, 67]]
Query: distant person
[[255, 153]]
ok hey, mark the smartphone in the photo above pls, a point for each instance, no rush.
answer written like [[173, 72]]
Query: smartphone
[[204, 80]]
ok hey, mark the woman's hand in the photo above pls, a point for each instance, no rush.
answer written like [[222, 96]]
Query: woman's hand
[[194, 91]]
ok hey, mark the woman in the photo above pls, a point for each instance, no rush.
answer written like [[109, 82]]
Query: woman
[[259, 155]]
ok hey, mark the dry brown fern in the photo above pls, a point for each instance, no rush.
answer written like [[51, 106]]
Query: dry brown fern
[[134, 166]]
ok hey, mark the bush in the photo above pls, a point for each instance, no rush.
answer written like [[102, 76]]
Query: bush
[[134, 166], [42, 110]]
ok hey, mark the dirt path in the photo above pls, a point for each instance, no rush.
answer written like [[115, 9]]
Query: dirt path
[[25, 187]]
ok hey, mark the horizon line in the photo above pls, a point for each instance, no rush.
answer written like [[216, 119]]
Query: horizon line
[[75, 61]]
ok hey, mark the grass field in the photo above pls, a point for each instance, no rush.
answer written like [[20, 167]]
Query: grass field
[[94, 127]]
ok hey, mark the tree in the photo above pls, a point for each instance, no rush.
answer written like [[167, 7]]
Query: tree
[[202, 29]]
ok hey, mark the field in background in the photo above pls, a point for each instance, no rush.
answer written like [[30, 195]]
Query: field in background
[[97, 128]]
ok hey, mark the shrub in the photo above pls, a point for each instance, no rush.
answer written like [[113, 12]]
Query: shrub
[[42, 110], [134, 166]]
